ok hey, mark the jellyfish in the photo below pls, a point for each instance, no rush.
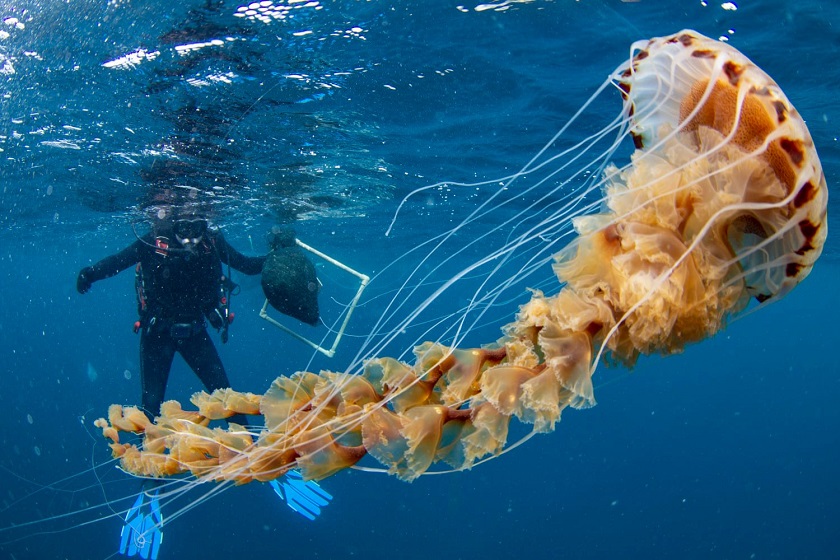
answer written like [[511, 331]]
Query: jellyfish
[[721, 211]]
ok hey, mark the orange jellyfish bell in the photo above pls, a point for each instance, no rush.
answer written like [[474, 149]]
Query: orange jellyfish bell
[[722, 204], [690, 84]]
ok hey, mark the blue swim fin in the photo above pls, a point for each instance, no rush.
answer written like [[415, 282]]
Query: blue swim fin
[[141, 535], [306, 498]]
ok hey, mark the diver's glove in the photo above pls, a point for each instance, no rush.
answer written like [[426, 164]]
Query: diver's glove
[[83, 282], [305, 497]]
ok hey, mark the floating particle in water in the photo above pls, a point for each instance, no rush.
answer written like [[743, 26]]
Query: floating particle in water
[[37, 451], [127, 374], [91, 372], [29, 418]]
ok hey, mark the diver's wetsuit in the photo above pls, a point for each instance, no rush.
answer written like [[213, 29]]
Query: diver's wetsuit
[[177, 289]]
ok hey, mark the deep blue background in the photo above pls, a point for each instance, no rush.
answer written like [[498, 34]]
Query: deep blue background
[[729, 450]]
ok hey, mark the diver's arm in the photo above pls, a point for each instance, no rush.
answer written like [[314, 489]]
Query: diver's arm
[[110, 266], [229, 255]]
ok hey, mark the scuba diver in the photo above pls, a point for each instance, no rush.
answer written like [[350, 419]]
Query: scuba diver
[[180, 287]]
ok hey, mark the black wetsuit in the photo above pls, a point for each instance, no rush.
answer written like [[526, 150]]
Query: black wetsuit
[[177, 289]]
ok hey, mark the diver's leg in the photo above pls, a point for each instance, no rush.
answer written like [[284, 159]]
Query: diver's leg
[[156, 353], [201, 355]]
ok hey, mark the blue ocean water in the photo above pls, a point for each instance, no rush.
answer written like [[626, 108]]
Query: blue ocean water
[[325, 115]]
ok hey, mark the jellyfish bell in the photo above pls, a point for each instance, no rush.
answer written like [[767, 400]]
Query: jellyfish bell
[[717, 101], [724, 201]]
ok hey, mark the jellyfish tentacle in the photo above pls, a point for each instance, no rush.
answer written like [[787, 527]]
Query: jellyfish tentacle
[[722, 207]]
